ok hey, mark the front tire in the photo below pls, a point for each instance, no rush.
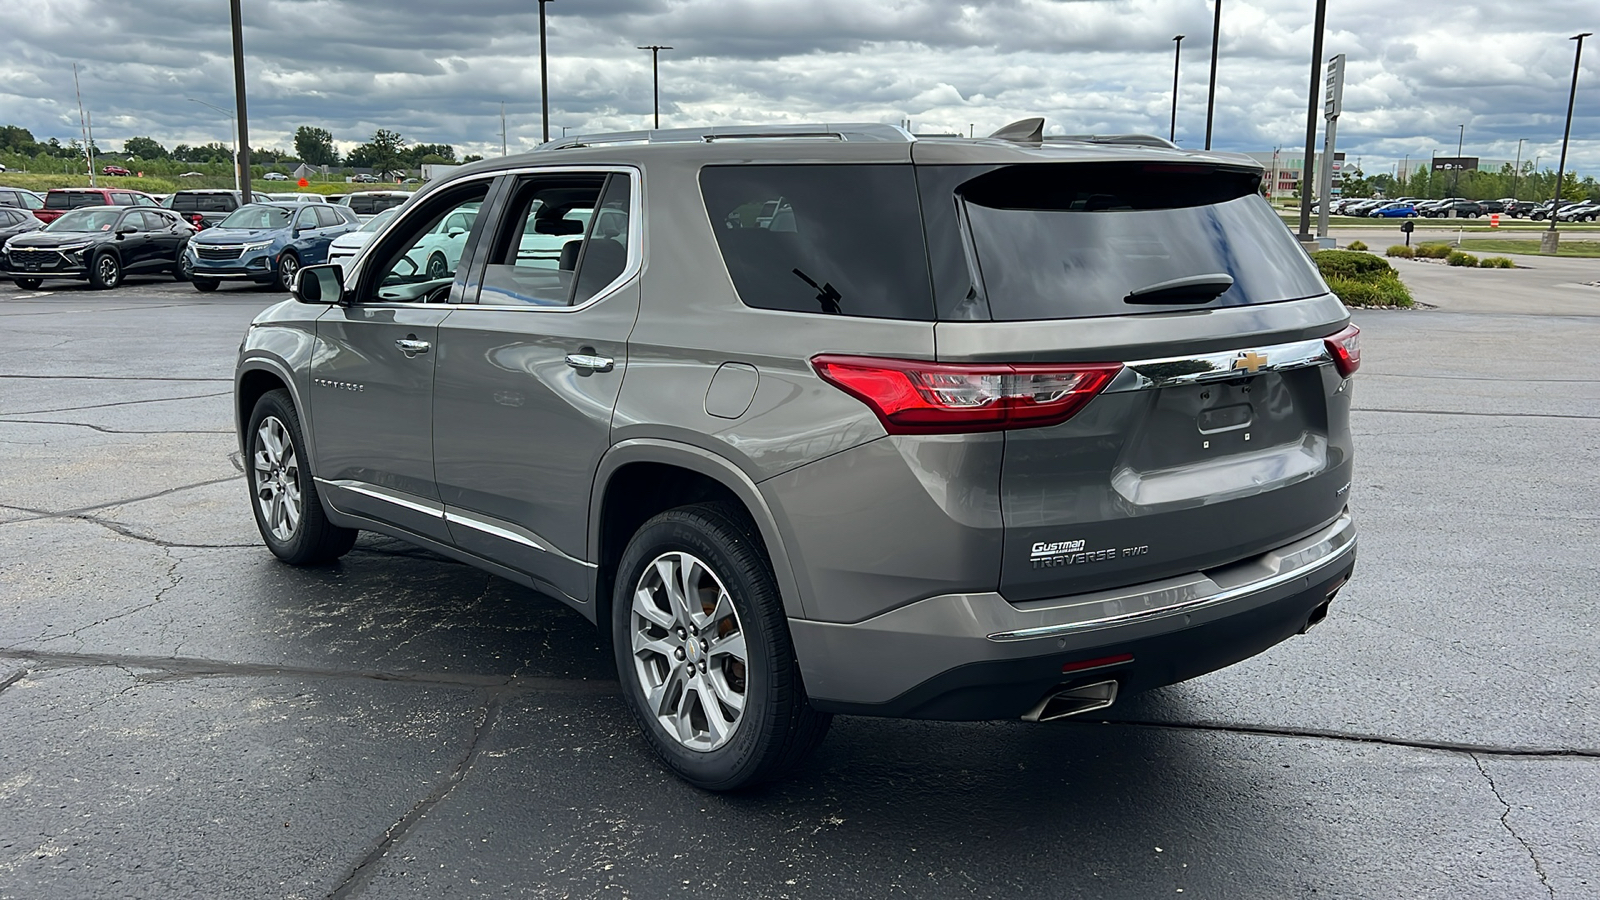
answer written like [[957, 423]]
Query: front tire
[[202, 284], [183, 269], [105, 272], [438, 267], [283, 495], [28, 284], [703, 651], [288, 265]]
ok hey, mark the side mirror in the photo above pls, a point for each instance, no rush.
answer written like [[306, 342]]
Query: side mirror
[[319, 284], [125, 229]]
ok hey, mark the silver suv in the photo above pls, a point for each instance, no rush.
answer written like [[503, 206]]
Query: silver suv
[[834, 419]]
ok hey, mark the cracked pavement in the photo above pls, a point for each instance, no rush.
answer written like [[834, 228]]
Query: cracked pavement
[[182, 716]]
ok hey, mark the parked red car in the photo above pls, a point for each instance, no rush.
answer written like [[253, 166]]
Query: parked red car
[[115, 170], [59, 200]]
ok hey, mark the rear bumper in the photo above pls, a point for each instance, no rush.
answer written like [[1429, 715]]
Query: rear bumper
[[978, 656]]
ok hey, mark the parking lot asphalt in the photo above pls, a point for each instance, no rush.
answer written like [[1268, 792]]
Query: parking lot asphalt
[[181, 716]]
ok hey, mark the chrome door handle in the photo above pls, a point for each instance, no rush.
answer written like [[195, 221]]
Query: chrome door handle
[[590, 362], [411, 347]]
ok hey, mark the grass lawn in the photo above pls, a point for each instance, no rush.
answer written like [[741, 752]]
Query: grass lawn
[[1589, 249]]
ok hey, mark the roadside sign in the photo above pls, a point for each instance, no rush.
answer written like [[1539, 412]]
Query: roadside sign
[[304, 183], [1408, 227], [1333, 92]]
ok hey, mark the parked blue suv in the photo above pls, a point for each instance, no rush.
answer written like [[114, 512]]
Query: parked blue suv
[[266, 243]]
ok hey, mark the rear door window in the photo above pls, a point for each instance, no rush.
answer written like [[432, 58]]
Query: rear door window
[[327, 218], [829, 239], [1062, 241]]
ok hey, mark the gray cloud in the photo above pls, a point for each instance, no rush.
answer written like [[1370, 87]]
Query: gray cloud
[[438, 72]]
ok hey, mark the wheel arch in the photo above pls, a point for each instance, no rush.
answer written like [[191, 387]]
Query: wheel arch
[[642, 477], [256, 377]]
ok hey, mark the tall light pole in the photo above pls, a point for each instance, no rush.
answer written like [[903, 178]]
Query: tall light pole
[[544, 76], [232, 128], [1311, 123], [1455, 180], [655, 75], [1177, 54], [1516, 168], [1211, 95], [242, 163], [1550, 243]]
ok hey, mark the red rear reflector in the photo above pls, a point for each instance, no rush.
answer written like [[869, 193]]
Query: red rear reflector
[[1346, 350], [1082, 664], [915, 397]]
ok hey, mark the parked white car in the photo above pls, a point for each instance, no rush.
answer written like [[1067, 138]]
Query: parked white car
[[345, 247], [439, 251]]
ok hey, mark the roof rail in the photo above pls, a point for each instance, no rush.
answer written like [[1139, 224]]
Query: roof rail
[[1141, 140], [815, 132]]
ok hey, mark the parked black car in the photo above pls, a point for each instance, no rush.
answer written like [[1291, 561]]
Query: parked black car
[[100, 244], [1491, 207], [1520, 209], [1464, 209], [16, 221], [205, 208]]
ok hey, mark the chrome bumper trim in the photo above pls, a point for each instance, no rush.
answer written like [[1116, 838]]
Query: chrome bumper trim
[[1297, 560]]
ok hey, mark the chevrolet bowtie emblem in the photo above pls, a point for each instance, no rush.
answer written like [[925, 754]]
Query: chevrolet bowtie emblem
[[1251, 362]]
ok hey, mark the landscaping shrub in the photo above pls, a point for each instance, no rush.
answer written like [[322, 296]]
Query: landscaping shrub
[[1356, 245], [1433, 251], [1401, 251], [1361, 279], [1497, 262], [1457, 258], [1350, 264]]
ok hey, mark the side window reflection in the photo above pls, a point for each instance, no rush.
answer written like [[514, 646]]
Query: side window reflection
[[425, 256], [566, 239]]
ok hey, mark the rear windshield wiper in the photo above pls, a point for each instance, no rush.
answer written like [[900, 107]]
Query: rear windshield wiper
[[1193, 289]]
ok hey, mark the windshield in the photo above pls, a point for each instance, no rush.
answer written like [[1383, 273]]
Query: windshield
[[377, 222], [87, 220], [253, 216]]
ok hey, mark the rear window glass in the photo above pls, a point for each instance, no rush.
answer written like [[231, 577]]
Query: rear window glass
[[834, 239], [72, 200], [1078, 240]]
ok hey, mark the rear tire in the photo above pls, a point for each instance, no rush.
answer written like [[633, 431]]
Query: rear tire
[[283, 495], [710, 556], [183, 269], [105, 272], [29, 284], [204, 285]]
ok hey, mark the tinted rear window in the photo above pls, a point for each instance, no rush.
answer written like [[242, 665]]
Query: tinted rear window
[[72, 200], [839, 239], [1075, 240]]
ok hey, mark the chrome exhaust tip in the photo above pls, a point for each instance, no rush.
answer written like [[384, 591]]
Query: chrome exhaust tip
[[1073, 701]]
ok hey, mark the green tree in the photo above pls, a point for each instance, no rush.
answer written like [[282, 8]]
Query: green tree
[[382, 154], [144, 148], [19, 140], [315, 146], [471, 158], [417, 154]]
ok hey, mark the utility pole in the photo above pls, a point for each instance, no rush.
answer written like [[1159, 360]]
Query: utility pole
[[1177, 56], [1333, 101], [1550, 242], [233, 128], [1455, 180], [83, 126], [1211, 95], [544, 81], [1311, 123], [1516, 168], [243, 163], [655, 75]]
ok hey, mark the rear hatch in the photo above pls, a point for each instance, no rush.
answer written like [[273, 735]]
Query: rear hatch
[[1225, 433]]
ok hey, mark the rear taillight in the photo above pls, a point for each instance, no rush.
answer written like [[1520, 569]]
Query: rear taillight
[[1345, 347], [915, 397]]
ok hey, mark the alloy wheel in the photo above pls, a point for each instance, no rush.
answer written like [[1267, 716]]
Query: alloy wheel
[[438, 267], [689, 651], [106, 269], [277, 479], [288, 265]]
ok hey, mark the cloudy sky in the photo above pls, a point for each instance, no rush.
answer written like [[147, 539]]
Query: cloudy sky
[[439, 71]]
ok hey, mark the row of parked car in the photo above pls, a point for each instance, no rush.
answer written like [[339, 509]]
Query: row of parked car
[[205, 237], [1462, 208]]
